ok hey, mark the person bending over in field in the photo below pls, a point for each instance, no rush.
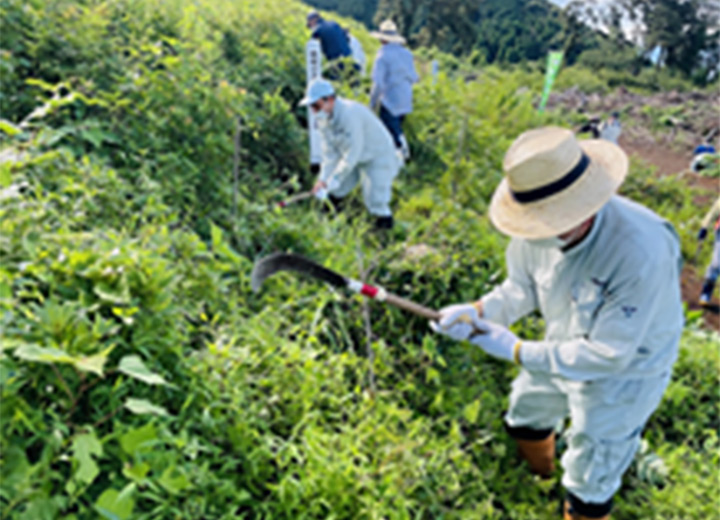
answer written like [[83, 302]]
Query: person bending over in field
[[356, 148], [604, 273]]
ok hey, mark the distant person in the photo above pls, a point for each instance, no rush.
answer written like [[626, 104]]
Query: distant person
[[591, 126], [611, 129], [713, 270], [358, 54], [702, 157], [393, 76], [356, 148], [333, 42]]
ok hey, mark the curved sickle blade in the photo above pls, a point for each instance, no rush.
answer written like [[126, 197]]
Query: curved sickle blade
[[271, 264]]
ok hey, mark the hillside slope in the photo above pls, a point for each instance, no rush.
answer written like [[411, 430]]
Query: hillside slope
[[140, 377]]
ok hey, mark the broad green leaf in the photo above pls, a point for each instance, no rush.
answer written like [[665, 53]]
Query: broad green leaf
[[84, 447], [40, 508], [15, 470], [142, 406], [43, 84], [113, 506], [94, 136], [5, 175], [117, 295], [136, 472], [94, 363], [471, 411], [33, 352], [9, 128], [138, 440], [133, 366], [432, 375], [173, 480], [216, 236]]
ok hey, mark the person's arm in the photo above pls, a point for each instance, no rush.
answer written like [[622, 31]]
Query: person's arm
[[516, 296], [350, 158], [621, 324], [330, 159]]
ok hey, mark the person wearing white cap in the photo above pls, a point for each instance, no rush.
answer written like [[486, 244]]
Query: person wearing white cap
[[393, 76], [356, 148], [604, 273]]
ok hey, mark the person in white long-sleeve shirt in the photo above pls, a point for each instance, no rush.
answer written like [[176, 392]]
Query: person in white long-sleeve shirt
[[356, 148], [604, 273]]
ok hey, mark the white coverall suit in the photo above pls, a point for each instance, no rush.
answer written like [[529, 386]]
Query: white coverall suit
[[614, 317], [356, 147]]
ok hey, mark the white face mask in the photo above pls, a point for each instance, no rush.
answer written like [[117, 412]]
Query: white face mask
[[557, 242], [321, 117], [548, 243]]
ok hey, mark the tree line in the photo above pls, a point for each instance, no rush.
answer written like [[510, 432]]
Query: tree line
[[681, 35]]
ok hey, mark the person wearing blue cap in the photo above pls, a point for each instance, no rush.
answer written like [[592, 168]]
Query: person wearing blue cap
[[334, 42], [356, 148]]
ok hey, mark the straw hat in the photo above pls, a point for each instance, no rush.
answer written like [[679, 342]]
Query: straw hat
[[388, 32], [553, 182]]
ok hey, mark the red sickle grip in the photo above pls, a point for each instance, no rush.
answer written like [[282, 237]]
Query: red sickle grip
[[369, 290]]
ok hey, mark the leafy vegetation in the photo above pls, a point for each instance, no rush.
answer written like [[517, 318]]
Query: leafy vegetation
[[139, 375]]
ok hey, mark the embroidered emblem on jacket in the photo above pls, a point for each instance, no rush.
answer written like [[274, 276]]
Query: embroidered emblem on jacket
[[628, 310]]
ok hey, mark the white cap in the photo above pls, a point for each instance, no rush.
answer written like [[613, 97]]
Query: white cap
[[317, 90]]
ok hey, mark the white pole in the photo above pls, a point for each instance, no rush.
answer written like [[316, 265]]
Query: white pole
[[313, 70]]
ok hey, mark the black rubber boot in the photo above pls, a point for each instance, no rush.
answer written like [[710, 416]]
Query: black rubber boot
[[384, 222], [337, 203]]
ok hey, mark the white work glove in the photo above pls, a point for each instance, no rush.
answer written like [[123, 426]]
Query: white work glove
[[321, 194], [461, 322]]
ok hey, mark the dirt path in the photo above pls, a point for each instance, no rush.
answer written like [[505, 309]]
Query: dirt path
[[662, 129], [670, 161]]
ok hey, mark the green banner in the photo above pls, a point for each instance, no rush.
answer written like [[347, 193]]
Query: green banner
[[553, 67]]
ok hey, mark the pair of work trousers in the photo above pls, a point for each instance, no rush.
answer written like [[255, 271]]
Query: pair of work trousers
[[376, 178], [393, 124], [607, 418]]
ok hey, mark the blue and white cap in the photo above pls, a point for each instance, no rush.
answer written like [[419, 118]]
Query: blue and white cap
[[317, 90]]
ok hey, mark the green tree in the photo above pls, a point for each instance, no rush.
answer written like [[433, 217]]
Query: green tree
[[684, 31]]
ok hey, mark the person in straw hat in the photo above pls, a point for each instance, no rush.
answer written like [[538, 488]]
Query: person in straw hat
[[356, 148], [604, 273], [393, 75]]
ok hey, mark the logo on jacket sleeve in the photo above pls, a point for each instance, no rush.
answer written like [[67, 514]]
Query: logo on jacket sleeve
[[628, 310]]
